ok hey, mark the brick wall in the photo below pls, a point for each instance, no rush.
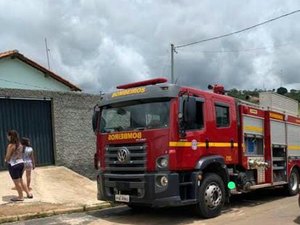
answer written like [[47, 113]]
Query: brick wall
[[74, 140]]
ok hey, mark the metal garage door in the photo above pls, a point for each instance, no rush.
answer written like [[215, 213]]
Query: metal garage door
[[32, 119]]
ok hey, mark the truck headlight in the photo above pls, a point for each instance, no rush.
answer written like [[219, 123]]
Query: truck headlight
[[162, 162], [162, 181]]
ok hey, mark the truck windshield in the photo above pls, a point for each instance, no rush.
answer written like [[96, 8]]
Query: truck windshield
[[135, 116]]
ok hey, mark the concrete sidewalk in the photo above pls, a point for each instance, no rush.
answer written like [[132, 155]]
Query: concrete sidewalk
[[56, 190]]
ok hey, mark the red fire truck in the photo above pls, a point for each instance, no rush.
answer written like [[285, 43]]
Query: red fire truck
[[160, 145]]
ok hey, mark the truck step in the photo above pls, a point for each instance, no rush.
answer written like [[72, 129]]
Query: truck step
[[235, 192], [280, 183], [275, 159], [188, 202], [279, 168], [185, 183], [254, 187]]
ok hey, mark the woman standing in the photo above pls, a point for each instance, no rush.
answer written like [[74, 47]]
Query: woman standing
[[14, 158], [29, 162]]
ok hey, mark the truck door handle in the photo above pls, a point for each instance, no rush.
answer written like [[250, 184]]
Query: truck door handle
[[206, 143], [231, 143]]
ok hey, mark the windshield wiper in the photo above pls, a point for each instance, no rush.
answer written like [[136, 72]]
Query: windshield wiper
[[113, 129], [140, 128]]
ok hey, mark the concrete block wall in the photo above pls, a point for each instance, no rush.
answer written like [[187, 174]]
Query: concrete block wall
[[74, 140]]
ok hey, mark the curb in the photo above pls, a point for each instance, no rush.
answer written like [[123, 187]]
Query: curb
[[8, 219], [67, 210]]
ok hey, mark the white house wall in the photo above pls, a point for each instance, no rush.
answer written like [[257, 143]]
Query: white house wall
[[19, 75]]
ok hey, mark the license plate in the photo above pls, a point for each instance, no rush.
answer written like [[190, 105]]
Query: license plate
[[122, 198]]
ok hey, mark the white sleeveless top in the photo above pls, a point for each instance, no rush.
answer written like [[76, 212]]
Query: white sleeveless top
[[16, 156], [27, 154]]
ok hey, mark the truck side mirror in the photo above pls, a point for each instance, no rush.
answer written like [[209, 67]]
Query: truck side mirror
[[94, 121], [187, 117], [95, 118]]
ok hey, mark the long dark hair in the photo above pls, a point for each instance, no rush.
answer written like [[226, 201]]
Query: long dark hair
[[25, 142], [14, 137]]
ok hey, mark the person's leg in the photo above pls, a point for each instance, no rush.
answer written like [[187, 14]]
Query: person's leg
[[28, 178], [18, 186], [11, 175], [13, 172], [24, 187]]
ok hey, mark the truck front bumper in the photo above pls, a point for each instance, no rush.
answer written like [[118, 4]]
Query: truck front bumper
[[142, 189]]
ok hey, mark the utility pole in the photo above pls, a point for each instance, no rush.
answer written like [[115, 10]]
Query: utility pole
[[172, 62]]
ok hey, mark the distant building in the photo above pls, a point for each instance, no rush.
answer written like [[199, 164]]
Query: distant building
[[20, 72]]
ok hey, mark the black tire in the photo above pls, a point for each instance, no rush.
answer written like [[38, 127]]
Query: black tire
[[292, 188], [211, 196]]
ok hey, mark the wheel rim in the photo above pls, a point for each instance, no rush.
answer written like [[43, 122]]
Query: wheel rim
[[294, 181], [213, 195]]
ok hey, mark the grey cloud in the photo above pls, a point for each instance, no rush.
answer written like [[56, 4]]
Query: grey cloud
[[100, 44]]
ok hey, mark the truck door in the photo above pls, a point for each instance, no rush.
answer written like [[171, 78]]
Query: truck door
[[194, 140], [222, 131]]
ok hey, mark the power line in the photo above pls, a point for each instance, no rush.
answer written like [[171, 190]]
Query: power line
[[247, 50], [173, 47], [239, 31]]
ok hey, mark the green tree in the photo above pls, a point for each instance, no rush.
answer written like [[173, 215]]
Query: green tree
[[282, 91]]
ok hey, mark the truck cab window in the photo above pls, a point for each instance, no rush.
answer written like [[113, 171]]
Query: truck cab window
[[114, 120], [222, 115], [199, 123], [135, 116]]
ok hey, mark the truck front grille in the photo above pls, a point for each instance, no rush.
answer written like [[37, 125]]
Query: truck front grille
[[125, 176], [135, 162]]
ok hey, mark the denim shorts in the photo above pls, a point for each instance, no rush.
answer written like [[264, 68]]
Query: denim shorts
[[16, 171]]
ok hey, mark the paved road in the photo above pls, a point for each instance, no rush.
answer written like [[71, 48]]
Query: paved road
[[268, 207]]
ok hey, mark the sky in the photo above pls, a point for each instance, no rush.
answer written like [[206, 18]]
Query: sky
[[99, 44]]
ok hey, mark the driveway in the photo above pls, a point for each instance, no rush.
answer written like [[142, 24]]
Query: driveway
[[54, 188]]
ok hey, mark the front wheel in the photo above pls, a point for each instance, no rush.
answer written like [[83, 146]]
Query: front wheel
[[211, 196], [292, 187]]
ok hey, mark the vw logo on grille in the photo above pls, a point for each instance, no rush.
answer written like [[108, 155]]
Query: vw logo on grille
[[123, 154]]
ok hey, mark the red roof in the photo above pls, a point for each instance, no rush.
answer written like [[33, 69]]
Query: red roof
[[16, 54]]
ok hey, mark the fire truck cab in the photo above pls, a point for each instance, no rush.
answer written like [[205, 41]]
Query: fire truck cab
[[160, 145]]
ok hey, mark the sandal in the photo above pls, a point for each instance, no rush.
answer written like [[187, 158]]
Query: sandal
[[30, 196], [17, 200]]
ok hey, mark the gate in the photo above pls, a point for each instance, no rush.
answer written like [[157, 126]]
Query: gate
[[32, 119]]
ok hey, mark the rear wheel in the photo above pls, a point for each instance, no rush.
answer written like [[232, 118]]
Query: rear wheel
[[211, 196], [293, 185]]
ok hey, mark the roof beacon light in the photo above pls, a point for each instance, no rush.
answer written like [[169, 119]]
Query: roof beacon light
[[143, 83], [217, 88]]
